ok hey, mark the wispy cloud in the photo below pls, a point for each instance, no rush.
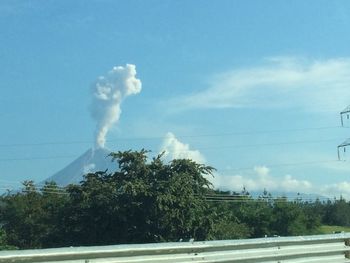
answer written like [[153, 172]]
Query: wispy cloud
[[279, 82]]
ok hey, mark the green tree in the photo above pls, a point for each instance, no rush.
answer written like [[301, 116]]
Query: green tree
[[290, 218], [337, 213], [52, 203], [29, 217], [143, 201], [257, 214], [3, 241], [226, 221], [19, 217], [149, 200]]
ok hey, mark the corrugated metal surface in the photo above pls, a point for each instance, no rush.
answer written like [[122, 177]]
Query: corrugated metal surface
[[303, 249]]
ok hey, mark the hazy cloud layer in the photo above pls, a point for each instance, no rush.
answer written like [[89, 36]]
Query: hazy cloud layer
[[260, 180], [281, 82], [337, 189]]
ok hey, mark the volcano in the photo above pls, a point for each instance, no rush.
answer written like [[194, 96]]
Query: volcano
[[92, 160]]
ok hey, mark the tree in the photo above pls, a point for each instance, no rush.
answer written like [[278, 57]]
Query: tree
[[337, 213], [148, 200], [3, 241], [143, 201], [228, 223], [29, 217], [52, 202], [19, 216], [290, 218], [257, 214]]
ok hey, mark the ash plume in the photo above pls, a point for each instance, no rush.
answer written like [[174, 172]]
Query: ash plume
[[108, 93]]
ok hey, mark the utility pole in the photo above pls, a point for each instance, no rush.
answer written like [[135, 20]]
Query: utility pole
[[344, 115]]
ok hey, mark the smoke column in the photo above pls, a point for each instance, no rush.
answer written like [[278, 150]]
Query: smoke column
[[108, 93]]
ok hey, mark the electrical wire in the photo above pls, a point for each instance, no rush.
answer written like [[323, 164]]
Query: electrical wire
[[238, 146], [37, 158], [39, 186], [279, 165], [244, 198], [163, 137], [211, 198], [235, 196], [45, 192], [182, 151], [264, 201], [14, 184]]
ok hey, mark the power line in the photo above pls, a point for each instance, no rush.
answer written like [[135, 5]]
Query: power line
[[45, 143], [46, 188], [35, 191], [216, 197], [279, 165], [36, 186], [37, 158], [182, 151], [45, 192], [243, 196], [235, 198], [163, 137], [263, 144], [240, 169], [265, 201], [228, 199]]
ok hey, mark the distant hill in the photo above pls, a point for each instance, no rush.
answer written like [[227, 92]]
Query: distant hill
[[91, 161]]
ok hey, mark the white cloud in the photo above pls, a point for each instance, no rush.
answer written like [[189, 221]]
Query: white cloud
[[262, 170], [174, 149], [291, 184], [89, 168], [337, 190], [260, 180], [280, 82]]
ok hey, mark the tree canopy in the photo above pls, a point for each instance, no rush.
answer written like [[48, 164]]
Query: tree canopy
[[150, 200]]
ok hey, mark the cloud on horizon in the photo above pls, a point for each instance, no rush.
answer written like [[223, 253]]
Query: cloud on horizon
[[279, 82], [259, 178], [337, 189]]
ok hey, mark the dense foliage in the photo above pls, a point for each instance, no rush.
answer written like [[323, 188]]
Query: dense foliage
[[151, 201]]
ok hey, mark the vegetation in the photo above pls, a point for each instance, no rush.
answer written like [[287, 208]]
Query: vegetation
[[325, 229], [152, 201]]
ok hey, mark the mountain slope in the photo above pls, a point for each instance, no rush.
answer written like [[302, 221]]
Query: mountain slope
[[91, 161]]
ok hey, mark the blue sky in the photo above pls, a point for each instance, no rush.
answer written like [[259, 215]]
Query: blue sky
[[253, 88]]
